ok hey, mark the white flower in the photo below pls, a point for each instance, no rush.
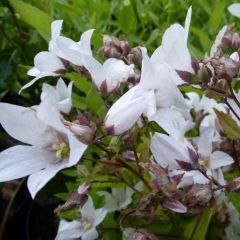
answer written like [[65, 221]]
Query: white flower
[[61, 94], [110, 74], [234, 9], [156, 89], [51, 148], [73, 51], [174, 50], [86, 227], [47, 63], [172, 122]]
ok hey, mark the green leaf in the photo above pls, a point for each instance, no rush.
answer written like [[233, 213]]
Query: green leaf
[[229, 126], [33, 17], [126, 17], [197, 228], [217, 17]]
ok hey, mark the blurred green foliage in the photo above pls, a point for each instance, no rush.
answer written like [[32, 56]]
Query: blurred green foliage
[[25, 29]]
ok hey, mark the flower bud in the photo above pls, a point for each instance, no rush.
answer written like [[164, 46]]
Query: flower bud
[[236, 41], [135, 56], [142, 234], [204, 74]]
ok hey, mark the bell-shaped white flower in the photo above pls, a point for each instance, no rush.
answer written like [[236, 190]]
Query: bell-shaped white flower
[[174, 51], [110, 74], [73, 51], [51, 148], [85, 228], [234, 9], [47, 63], [60, 93]]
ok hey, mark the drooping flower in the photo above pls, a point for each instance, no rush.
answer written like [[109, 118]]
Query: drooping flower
[[85, 228], [51, 146], [156, 90]]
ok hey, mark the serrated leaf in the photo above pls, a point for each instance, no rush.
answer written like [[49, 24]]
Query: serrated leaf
[[229, 126], [33, 17]]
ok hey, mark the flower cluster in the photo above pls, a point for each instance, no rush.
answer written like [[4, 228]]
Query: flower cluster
[[165, 145]]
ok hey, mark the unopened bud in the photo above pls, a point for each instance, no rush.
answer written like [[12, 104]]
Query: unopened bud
[[204, 74], [111, 52], [134, 78], [227, 40], [234, 185], [125, 47], [142, 234], [236, 41], [185, 76], [135, 56]]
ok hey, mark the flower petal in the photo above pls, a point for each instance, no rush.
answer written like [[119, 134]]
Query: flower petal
[[20, 161], [23, 124], [39, 179], [100, 214], [90, 235], [220, 159], [69, 230], [234, 9]]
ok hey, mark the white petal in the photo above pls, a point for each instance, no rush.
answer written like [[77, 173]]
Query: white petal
[[88, 210], [48, 62], [167, 150], [100, 214], [90, 235], [218, 40], [235, 56], [56, 27], [77, 149], [85, 42], [115, 72], [172, 122], [205, 143], [234, 9], [69, 230], [220, 159], [187, 23], [24, 125], [20, 161], [65, 51], [125, 112], [41, 75], [39, 179], [34, 72]]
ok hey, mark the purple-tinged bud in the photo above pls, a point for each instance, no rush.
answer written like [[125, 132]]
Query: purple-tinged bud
[[174, 205], [134, 78], [234, 185], [83, 188], [193, 156], [135, 56], [110, 52], [142, 234], [185, 76], [227, 40], [204, 74], [236, 41], [74, 199], [195, 64], [110, 130], [125, 47], [103, 87]]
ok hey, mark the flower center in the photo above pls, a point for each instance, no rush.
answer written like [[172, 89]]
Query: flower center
[[204, 163], [86, 225], [62, 150]]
